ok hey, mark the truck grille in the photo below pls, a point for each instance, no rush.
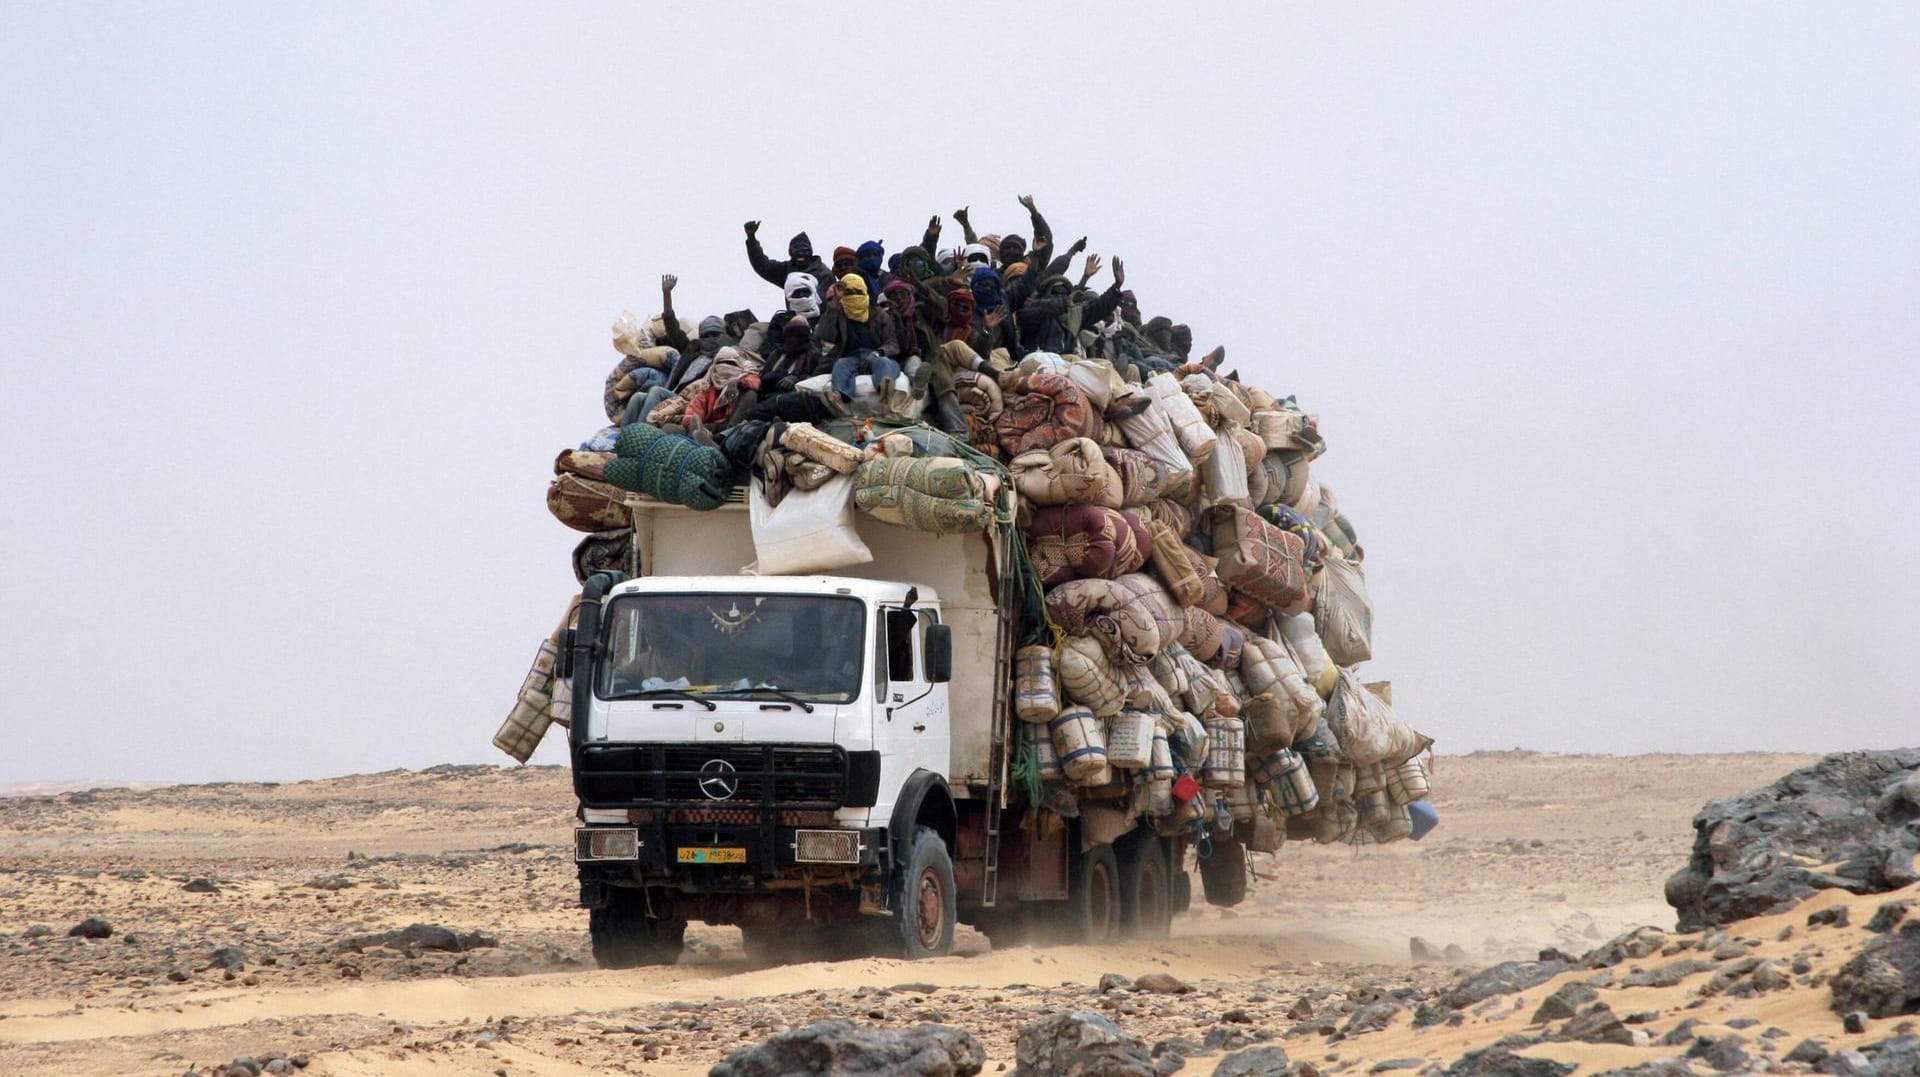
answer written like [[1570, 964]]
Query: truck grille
[[693, 775]]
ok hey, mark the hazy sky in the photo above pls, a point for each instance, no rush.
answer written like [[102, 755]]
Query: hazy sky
[[1610, 314]]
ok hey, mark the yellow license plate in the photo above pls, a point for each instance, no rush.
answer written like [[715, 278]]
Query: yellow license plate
[[709, 855]]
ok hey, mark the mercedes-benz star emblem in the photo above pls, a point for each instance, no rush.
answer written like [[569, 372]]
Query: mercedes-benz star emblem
[[718, 779]]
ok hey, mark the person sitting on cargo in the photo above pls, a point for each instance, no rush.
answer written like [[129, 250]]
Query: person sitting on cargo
[[800, 259], [850, 322], [845, 261], [871, 263], [693, 360], [795, 360], [731, 390], [992, 324], [1013, 249], [1051, 320]]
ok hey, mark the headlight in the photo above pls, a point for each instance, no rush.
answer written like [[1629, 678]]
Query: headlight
[[606, 843], [826, 846]]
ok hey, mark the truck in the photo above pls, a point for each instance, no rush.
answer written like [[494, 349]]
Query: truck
[[827, 762]]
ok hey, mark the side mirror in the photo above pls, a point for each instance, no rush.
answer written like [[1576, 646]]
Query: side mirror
[[939, 654], [563, 662]]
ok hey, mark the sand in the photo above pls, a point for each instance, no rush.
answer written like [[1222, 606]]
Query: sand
[[1534, 851]]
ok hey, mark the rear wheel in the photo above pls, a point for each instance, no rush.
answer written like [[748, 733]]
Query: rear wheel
[[1223, 874], [1093, 896], [925, 906], [1146, 895], [624, 937]]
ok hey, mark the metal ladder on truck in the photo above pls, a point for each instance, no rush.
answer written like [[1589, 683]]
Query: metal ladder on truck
[[998, 757]]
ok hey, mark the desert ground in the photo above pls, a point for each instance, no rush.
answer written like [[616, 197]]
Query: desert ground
[[247, 920]]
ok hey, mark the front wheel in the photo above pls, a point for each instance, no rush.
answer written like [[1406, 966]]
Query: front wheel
[[624, 937], [925, 906]]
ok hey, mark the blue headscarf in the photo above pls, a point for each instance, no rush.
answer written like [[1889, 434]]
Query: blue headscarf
[[986, 289], [872, 256]]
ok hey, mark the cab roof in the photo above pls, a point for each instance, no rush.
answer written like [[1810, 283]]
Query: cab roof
[[869, 590]]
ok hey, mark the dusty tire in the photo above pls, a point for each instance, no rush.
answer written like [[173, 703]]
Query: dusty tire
[[1146, 891], [1093, 897], [1181, 889], [624, 938], [1223, 875], [926, 902]]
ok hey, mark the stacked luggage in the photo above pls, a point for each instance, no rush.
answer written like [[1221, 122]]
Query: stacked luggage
[[1194, 660]]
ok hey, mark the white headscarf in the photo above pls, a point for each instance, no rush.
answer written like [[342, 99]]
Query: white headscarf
[[969, 252], [803, 294]]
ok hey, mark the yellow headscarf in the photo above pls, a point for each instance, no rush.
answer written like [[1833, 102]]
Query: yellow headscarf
[[853, 296]]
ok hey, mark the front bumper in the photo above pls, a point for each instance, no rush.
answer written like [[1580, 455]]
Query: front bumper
[[767, 856]]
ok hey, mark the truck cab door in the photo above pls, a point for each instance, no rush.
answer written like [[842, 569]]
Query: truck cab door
[[910, 713]]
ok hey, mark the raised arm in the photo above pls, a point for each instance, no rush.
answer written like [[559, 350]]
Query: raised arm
[[675, 336], [966, 225], [757, 257], [1042, 235]]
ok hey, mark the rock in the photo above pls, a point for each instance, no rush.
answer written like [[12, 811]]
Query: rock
[[1751, 852], [331, 883], [1563, 1003], [1807, 1051], [1681, 1033], [1254, 1062], [279, 1067], [1113, 981], [1177, 1045], [1831, 916], [1391, 1064], [843, 1047], [1638, 943], [1883, 979], [249, 1064], [91, 928], [1454, 952], [1724, 1054], [1501, 1062], [1854, 1021], [1236, 1016], [1769, 976], [1666, 1067], [38, 931], [1372, 1017], [1597, 1024], [1502, 979], [422, 937], [200, 886], [1168, 1064], [1428, 1014], [179, 976], [1669, 974], [1900, 1055], [1422, 950], [228, 957], [1070, 1044], [1161, 983], [1888, 916]]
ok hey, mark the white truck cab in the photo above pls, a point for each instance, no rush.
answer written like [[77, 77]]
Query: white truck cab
[[823, 761]]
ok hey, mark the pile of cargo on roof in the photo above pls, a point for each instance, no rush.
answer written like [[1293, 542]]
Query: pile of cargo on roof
[[1192, 602]]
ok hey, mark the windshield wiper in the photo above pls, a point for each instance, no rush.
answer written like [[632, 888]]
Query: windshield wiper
[[675, 693], [779, 694]]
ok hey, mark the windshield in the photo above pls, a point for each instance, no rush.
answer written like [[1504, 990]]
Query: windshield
[[808, 646]]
